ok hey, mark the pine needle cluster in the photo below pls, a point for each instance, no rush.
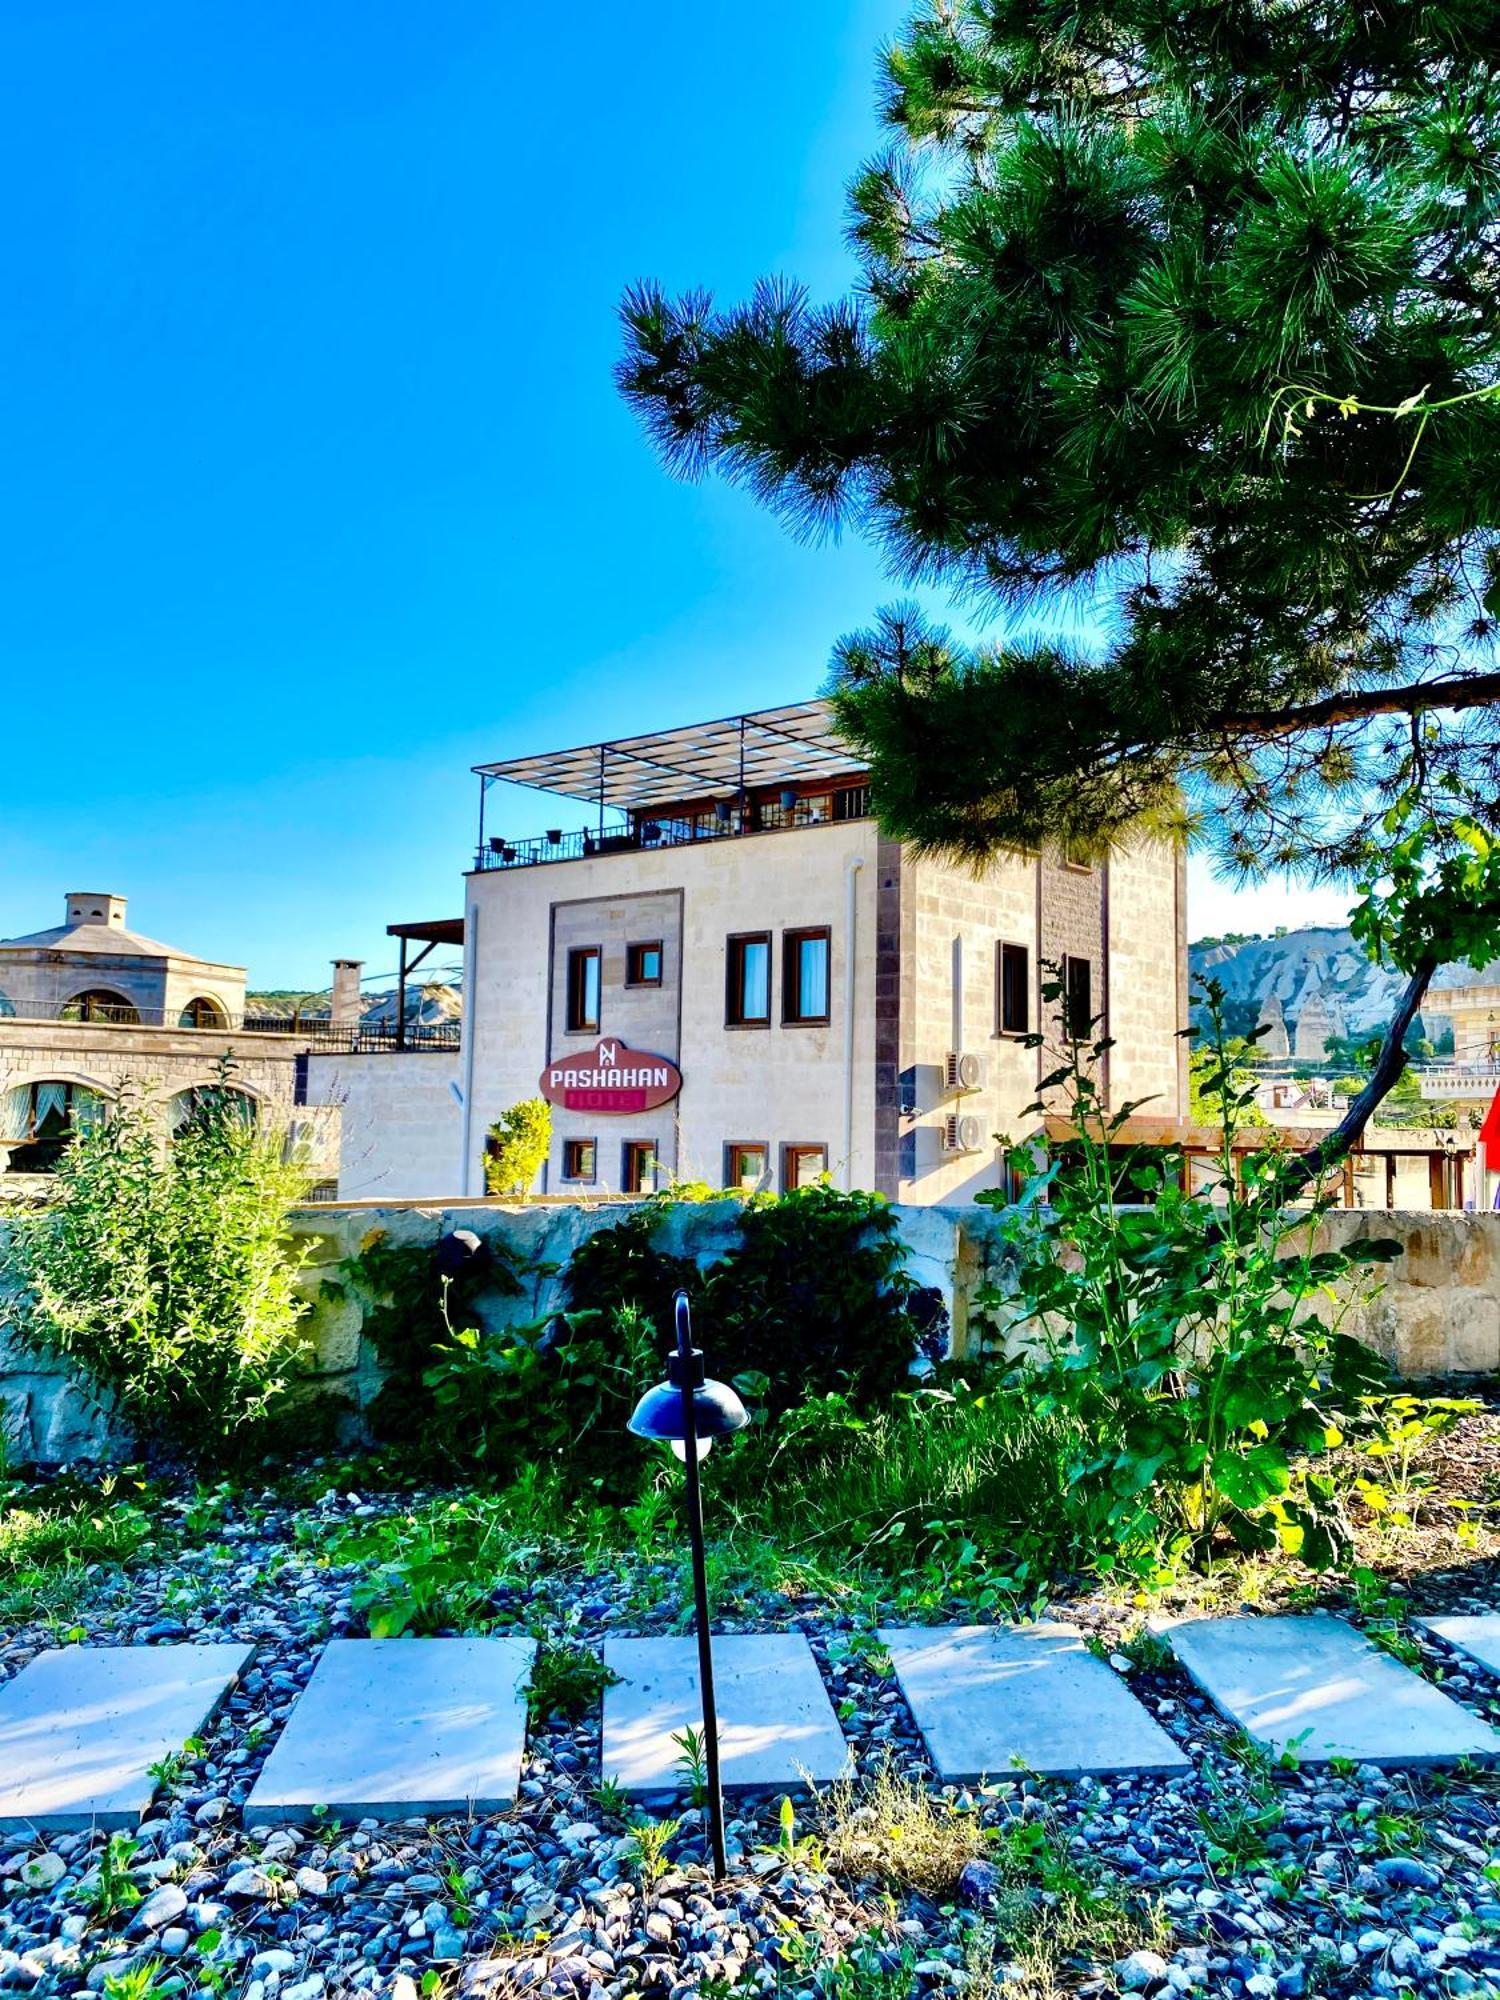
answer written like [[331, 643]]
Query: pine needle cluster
[[1186, 311]]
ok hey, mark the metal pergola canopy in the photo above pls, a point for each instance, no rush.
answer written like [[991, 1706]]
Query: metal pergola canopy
[[775, 746], [442, 930]]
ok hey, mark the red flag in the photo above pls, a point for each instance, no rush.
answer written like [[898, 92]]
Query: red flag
[[1489, 1136]]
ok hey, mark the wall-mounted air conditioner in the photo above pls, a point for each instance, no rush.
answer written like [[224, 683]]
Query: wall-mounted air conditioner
[[963, 1072], [963, 1133]]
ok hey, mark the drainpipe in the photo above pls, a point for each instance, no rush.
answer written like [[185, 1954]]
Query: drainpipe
[[851, 870], [471, 1026]]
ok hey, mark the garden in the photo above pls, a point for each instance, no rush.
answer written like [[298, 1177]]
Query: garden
[[1161, 1414]]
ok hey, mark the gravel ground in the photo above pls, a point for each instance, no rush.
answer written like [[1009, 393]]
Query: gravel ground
[[1285, 1883]]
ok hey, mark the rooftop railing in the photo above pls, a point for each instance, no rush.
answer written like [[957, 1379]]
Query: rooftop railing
[[724, 820]]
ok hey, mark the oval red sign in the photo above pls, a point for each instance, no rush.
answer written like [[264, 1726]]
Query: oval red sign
[[610, 1078]]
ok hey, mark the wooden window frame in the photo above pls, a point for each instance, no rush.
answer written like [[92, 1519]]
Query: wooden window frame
[[576, 1021], [569, 1147], [1003, 1027], [1072, 1030], [790, 983], [630, 1148], [733, 988], [633, 977], [792, 1147], [732, 1181]]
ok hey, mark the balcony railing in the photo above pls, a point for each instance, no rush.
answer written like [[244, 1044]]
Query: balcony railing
[[720, 822], [316, 1031], [1461, 1079]]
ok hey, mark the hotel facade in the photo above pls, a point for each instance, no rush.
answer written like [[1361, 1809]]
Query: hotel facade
[[730, 975]]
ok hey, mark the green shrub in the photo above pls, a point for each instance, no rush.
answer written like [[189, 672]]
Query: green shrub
[[813, 1298], [1192, 1341], [517, 1148], [555, 1393], [410, 1311], [164, 1272]]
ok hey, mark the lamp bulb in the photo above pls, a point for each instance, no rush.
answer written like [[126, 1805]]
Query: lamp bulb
[[679, 1447]]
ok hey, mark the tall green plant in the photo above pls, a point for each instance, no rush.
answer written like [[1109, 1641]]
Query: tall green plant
[[164, 1271], [519, 1141], [1193, 1337]]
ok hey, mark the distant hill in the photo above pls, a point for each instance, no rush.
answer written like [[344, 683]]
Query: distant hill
[[426, 1006], [1316, 981]]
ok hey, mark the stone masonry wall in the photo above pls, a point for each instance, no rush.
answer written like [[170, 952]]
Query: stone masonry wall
[[1438, 1315]]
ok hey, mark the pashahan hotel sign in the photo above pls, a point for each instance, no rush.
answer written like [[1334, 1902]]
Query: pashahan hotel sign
[[611, 1079]]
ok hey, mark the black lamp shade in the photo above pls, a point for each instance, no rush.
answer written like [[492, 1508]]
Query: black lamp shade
[[459, 1251], [717, 1409]]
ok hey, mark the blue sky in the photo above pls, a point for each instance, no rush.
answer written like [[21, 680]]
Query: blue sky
[[316, 487]]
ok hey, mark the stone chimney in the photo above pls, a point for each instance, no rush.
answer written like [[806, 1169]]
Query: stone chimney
[[343, 1010], [88, 907]]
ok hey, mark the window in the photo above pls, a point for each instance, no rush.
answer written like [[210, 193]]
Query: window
[[747, 999], [643, 963], [206, 1100], [578, 1159], [1077, 998], [99, 1004], [747, 1165], [801, 1166], [203, 1013], [38, 1119], [7, 1006], [1013, 987], [638, 1173], [804, 977], [583, 991]]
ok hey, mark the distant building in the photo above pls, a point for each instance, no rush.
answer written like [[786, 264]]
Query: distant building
[[90, 1008]]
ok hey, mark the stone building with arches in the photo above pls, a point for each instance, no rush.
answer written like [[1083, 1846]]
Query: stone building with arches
[[91, 1009]]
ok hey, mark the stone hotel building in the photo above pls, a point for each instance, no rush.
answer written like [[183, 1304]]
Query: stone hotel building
[[730, 975]]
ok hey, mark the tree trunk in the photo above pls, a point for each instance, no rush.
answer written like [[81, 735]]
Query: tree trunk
[[1387, 1072]]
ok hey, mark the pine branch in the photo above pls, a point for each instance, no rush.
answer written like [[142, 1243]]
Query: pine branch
[[1461, 692]]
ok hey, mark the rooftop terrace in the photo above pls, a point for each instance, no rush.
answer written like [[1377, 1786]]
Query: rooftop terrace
[[772, 770]]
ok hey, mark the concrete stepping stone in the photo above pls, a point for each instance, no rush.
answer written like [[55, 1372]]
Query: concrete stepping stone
[[81, 1727], [1317, 1687], [1477, 1635], [993, 1699], [398, 1728], [777, 1728]]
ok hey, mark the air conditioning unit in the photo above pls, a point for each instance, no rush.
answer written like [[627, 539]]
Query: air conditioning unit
[[963, 1133], [963, 1072]]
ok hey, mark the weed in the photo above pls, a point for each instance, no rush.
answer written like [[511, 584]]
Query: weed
[[611, 1797], [1384, 1616], [144, 1981], [1056, 1917], [692, 1762], [1236, 1826], [566, 1680], [112, 1887], [647, 1852], [892, 1827]]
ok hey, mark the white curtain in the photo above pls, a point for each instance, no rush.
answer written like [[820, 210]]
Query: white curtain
[[51, 1097], [15, 1114]]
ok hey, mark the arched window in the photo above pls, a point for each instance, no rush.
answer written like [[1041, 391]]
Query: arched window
[[203, 1013], [37, 1120], [98, 1003], [7, 1007], [206, 1099]]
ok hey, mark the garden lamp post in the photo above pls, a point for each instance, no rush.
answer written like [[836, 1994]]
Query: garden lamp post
[[688, 1412]]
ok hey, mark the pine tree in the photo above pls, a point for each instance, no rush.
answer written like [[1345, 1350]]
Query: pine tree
[[1183, 313]]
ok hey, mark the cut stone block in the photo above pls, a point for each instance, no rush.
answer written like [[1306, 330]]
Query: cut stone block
[[399, 1728], [1317, 1687], [777, 1728], [993, 1699], [1478, 1636], [80, 1729]]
